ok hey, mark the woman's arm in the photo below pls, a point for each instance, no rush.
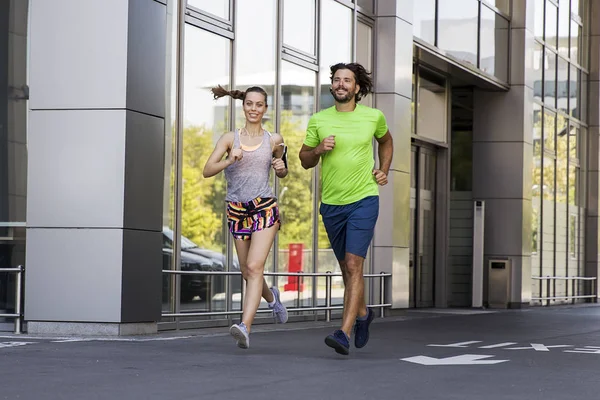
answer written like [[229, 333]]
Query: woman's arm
[[278, 152], [215, 162]]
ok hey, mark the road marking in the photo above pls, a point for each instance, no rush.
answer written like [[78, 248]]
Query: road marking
[[460, 344], [585, 350], [539, 347], [463, 359], [494, 346], [4, 345]]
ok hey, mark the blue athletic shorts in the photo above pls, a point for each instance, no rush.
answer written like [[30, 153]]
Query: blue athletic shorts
[[350, 227]]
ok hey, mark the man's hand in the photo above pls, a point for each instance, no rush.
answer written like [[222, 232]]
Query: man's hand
[[326, 145], [380, 177], [278, 165]]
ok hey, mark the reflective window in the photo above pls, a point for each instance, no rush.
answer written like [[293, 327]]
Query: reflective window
[[575, 41], [432, 98], [295, 192], [549, 132], [204, 121], [13, 145], [550, 78], [538, 64], [299, 24], [364, 53], [538, 27], [562, 87], [574, 92], [367, 5], [424, 20], [564, 16], [259, 17], [573, 144], [219, 8], [336, 44], [551, 24], [493, 57], [536, 189], [562, 161], [548, 204], [457, 29]]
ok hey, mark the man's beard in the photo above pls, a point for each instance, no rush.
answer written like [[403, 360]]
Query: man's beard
[[342, 99]]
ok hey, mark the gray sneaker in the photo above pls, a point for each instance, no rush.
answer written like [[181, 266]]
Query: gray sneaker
[[279, 311], [240, 333]]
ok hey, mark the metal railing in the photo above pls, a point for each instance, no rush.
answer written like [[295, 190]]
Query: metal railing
[[574, 288], [301, 275], [18, 315]]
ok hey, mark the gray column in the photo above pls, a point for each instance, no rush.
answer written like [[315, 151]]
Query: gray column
[[95, 170], [502, 159], [593, 175], [393, 79]]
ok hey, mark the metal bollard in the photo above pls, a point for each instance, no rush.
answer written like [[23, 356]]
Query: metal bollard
[[19, 288], [328, 296], [548, 291], [573, 290], [382, 295]]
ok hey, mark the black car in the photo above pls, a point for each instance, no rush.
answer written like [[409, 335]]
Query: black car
[[195, 258]]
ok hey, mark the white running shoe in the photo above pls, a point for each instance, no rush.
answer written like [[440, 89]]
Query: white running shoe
[[279, 310], [240, 333]]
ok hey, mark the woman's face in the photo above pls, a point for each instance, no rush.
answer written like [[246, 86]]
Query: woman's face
[[255, 106]]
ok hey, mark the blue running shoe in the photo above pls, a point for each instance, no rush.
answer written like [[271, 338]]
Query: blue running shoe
[[361, 329], [339, 342]]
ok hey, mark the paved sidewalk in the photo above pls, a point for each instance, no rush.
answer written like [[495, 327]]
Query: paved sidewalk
[[549, 353]]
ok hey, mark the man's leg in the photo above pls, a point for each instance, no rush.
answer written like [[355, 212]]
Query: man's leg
[[354, 293]]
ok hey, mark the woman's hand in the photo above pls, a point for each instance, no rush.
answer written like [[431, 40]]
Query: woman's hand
[[279, 167]]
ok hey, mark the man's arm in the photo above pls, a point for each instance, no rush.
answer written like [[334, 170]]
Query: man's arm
[[386, 152], [310, 156]]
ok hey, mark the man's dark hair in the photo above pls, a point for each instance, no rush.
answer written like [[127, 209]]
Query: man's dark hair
[[362, 77]]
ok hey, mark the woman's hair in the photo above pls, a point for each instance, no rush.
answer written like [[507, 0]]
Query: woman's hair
[[362, 77], [219, 92]]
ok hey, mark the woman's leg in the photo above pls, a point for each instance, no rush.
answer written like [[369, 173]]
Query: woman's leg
[[256, 287], [242, 247]]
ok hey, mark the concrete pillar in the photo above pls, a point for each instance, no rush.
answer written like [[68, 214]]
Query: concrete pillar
[[502, 159], [393, 83], [96, 149]]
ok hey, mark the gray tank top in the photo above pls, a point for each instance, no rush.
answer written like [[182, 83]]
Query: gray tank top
[[248, 178]]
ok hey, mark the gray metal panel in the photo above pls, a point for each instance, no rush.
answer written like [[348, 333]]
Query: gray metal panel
[[76, 168], [141, 296], [144, 161], [78, 54], [502, 116], [498, 170], [146, 55], [397, 111], [73, 275], [394, 56], [504, 226], [396, 8]]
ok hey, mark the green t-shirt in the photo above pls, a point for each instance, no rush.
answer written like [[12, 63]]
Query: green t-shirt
[[347, 170]]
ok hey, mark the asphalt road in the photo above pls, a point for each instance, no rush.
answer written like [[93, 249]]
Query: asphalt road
[[540, 353]]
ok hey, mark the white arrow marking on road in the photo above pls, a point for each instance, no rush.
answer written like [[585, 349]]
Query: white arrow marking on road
[[463, 359], [460, 344]]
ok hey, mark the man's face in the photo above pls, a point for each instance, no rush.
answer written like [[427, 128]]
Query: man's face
[[343, 86]]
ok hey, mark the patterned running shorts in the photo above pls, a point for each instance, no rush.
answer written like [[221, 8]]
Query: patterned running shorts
[[245, 218]]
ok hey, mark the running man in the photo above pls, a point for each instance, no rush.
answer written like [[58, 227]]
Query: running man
[[342, 136]]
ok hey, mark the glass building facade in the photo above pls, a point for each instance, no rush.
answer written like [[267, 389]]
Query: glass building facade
[[102, 151]]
